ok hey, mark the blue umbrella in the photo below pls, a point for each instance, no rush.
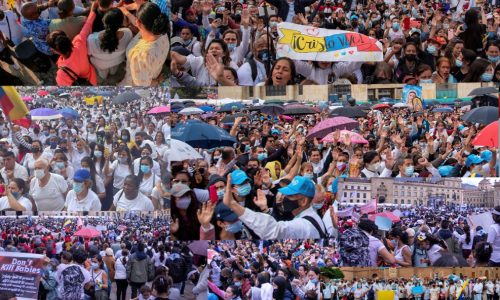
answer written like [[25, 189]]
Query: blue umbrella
[[69, 113], [104, 93], [207, 108], [198, 134], [442, 109], [230, 106]]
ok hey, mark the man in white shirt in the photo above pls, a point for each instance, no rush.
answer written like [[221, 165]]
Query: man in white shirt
[[130, 199], [47, 189], [12, 169]]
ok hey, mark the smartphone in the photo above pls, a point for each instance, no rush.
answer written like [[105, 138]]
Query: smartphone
[[212, 191], [228, 6]]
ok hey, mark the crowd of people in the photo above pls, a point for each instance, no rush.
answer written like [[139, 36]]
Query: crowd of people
[[98, 157], [235, 42], [451, 287], [69, 43], [132, 257], [267, 270], [276, 177]]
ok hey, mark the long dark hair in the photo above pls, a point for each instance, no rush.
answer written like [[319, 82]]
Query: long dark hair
[[467, 233], [150, 161], [59, 41], [153, 19], [226, 59], [91, 164], [112, 20], [477, 68], [293, 72]]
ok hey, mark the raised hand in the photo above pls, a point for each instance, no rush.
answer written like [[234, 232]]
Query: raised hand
[[205, 213], [260, 200]]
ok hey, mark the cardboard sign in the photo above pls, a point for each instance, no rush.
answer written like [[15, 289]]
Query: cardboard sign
[[20, 273]]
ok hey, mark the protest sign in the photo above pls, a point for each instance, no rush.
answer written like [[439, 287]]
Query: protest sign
[[385, 295], [383, 223], [318, 44], [484, 220], [412, 96], [20, 273]]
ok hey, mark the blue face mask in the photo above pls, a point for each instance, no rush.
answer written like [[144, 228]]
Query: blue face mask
[[458, 63], [78, 187], [220, 194], [309, 175], [317, 206], [431, 49], [16, 195], [237, 283], [486, 77], [60, 165], [426, 80], [231, 47], [235, 227], [320, 147], [493, 58], [98, 154], [262, 156], [244, 190], [409, 171], [145, 169], [247, 148], [395, 26]]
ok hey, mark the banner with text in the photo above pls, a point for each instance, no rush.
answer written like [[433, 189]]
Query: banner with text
[[311, 43], [20, 273]]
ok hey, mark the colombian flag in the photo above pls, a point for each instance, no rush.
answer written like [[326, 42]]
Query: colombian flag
[[67, 223], [13, 106]]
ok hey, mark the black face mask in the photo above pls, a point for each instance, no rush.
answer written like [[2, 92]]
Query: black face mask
[[225, 155], [290, 205], [35, 150], [138, 143], [264, 55], [411, 57], [354, 24]]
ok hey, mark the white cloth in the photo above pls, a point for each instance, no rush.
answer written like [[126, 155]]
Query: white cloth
[[19, 172], [51, 196], [90, 203], [102, 60], [140, 203]]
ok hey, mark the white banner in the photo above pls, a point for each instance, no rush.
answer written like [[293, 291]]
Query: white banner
[[317, 44]]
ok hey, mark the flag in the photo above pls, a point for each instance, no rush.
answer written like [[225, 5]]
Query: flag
[[67, 223], [369, 207], [12, 104], [345, 213], [460, 293]]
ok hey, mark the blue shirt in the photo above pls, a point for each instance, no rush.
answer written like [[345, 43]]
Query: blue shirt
[[38, 30]]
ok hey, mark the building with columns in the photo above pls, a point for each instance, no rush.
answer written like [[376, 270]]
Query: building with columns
[[418, 191]]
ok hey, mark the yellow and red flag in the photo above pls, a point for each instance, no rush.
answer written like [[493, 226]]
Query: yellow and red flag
[[13, 106]]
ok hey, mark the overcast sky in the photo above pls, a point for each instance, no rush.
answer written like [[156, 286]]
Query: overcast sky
[[475, 181]]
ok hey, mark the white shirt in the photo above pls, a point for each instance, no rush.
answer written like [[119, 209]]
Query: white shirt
[[16, 33], [51, 196], [120, 172], [155, 169], [103, 59], [90, 203], [147, 185], [494, 240], [141, 202], [76, 158], [200, 72], [19, 172], [25, 202], [245, 74]]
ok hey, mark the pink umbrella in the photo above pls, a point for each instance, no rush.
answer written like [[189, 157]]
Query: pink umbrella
[[27, 99], [159, 110], [385, 214], [42, 93], [356, 138], [286, 118], [77, 94], [88, 232], [329, 125]]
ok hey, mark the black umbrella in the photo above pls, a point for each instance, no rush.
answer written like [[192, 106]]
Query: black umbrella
[[229, 107], [293, 101], [275, 101], [272, 109], [125, 98], [202, 135], [229, 119], [297, 109], [464, 103], [349, 111], [482, 115], [483, 91], [189, 103]]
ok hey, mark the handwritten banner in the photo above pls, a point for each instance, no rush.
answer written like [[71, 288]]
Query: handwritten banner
[[20, 273], [318, 44]]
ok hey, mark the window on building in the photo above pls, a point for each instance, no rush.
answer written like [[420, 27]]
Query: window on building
[[364, 195], [279, 90], [250, 92], [301, 89], [446, 90]]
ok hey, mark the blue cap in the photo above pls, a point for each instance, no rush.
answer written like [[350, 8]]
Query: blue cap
[[224, 213], [354, 17], [81, 175], [473, 159], [275, 131], [460, 127], [445, 171], [486, 155], [238, 177], [299, 186]]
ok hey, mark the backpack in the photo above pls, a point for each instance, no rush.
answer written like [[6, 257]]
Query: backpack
[[253, 66], [354, 248], [176, 269], [77, 80]]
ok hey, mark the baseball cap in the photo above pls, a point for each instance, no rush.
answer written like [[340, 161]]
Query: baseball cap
[[353, 17], [486, 155], [299, 186], [420, 222], [179, 189], [222, 212], [238, 177], [415, 30], [445, 171], [176, 40], [213, 179], [81, 175], [473, 159]]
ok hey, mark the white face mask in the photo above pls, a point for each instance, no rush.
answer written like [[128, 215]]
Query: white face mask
[[39, 174], [374, 167], [183, 202]]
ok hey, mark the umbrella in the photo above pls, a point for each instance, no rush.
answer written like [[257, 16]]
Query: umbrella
[[381, 106], [272, 109], [465, 103], [442, 109], [229, 107], [400, 104], [104, 93], [207, 108], [45, 114], [209, 114], [276, 101], [202, 135], [77, 94], [385, 214], [483, 91], [191, 111], [229, 119], [488, 136], [27, 99], [42, 93], [69, 113], [298, 109], [159, 110], [180, 151], [482, 115], [329, 125], [349, 111], [188, 103], [88, 232], [65, 95], [199, 247], [125, 98], [356, 138]]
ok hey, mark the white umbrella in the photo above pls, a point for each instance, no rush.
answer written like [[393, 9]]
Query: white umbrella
[[191, 111], [400, 104], [180, 151]]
